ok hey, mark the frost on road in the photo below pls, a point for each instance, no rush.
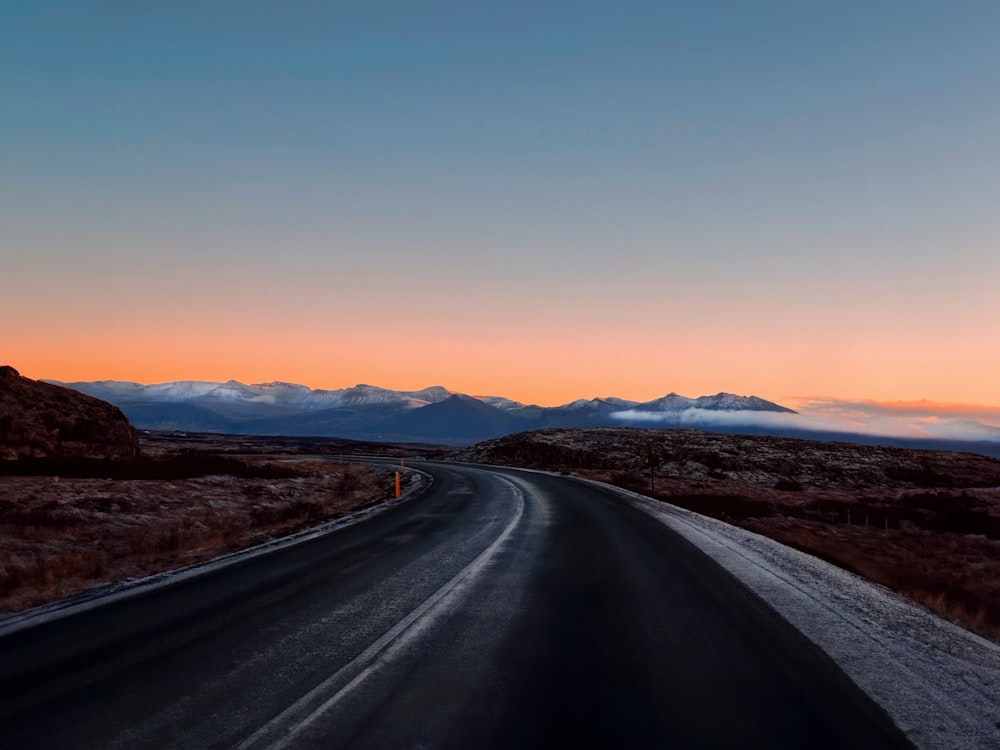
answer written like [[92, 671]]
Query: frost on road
[[938, 682]]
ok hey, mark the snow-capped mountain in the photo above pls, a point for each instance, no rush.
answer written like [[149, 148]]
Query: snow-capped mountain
[[670, 402], [583, 404], [674, 402], [371, 412], [731, 402], [231, 391], [501, 402], [183, 390], [367, 395], [294, 395]]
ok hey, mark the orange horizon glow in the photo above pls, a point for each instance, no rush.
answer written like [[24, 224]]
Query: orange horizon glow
[[520, 340], [80, 364]]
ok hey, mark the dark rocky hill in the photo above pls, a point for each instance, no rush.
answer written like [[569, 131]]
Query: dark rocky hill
[[40, 420]]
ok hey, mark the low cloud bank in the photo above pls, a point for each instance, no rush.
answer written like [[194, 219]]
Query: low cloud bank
[[919, 420]]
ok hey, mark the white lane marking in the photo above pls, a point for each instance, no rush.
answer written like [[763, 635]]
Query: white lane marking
[[103, 594], [283, 729]]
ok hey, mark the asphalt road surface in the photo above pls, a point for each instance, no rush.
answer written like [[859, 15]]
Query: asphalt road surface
[[501, 609]]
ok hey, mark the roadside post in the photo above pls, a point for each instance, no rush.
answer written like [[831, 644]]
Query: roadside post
[[653, 460]]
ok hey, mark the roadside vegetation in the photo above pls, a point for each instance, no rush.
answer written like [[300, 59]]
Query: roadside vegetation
[[72, 524]]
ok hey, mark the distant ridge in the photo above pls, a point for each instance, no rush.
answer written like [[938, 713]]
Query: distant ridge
[[673, 402], [370, 412]]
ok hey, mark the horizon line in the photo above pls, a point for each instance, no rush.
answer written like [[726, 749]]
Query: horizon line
[[810, 403]]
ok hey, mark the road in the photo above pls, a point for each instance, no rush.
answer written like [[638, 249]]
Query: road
[[501, 609]]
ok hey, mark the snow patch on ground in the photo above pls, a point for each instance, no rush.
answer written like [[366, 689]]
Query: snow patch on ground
[[938, 682]]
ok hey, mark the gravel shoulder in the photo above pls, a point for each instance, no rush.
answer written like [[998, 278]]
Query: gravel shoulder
[[940, 683]]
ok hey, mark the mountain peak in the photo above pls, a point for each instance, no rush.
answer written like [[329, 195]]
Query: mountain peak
[[723, 401], [432, 393]]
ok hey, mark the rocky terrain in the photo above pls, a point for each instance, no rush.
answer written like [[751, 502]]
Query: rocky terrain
[[40, 420], [924, 523]]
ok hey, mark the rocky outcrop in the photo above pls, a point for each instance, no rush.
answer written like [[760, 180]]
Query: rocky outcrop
[[40, 420]]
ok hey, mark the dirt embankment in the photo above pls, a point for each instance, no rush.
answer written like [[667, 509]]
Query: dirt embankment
[[924, 523], [66, 526]]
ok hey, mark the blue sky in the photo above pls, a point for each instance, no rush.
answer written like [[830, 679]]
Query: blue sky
[[819, 179]]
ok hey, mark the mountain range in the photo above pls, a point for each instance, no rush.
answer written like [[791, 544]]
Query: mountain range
[[368, 412]]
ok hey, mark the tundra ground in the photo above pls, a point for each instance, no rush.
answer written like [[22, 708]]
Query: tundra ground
[[188, 501]]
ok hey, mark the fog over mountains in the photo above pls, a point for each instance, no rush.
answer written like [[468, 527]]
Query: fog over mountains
[[368, 412]]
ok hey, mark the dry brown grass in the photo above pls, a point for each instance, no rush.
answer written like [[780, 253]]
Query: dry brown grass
[[61, 535], [955, 575]]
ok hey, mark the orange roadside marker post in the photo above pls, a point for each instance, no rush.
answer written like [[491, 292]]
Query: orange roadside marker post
[[397, 484]]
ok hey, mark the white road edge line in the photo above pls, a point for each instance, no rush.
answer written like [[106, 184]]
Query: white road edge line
[[300, 715], [103, 594]]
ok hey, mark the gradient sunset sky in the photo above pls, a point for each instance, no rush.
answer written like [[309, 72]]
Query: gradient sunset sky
[[542, 200]]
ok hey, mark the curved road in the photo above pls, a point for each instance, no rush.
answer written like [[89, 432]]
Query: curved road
[[501, 609]]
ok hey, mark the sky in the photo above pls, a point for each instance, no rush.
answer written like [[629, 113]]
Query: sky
[[545, 201]]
